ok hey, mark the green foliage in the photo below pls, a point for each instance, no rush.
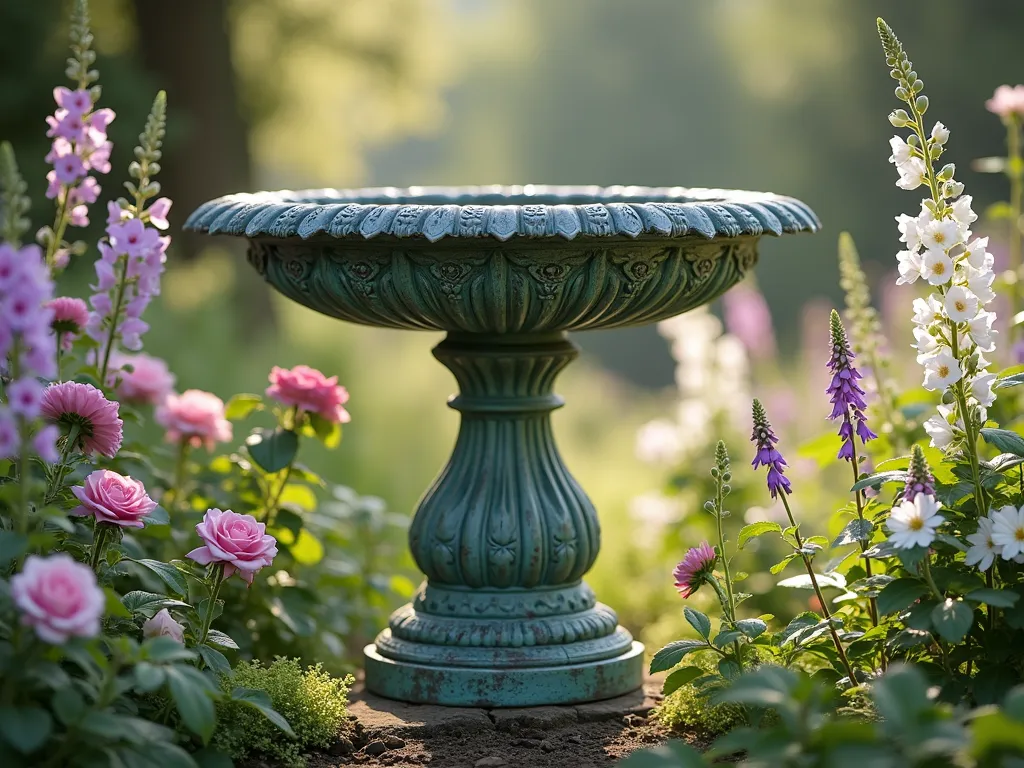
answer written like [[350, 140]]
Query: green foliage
[[312, 701]]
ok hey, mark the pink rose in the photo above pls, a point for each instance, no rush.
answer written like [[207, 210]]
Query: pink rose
[[236, 540], [194, 416], [113, 498], [308, 389], [59, 597], [149, 381], [164, 625]]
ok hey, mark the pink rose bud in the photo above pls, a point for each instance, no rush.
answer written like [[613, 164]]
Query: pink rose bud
[[164, 625], [194, 416], [58, 597], [149, 381], [113, 498], [238, 541], [309, 390]]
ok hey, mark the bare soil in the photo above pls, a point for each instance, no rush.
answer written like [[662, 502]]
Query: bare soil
[[387, 733]]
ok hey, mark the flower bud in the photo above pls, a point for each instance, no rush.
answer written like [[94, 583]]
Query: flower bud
[[921, 104], [952, 189], [709, 506], [940, 134], [902, 94], [946, 174], [918, 85], [899, 118]]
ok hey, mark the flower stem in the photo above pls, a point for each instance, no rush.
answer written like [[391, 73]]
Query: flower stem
[[817, 591], [270, 508], [218, 580], [859, 500], [57, 479], [99, 542], [727, 600], [971, 447], [1015, 172], [177, 490], [115, 314]]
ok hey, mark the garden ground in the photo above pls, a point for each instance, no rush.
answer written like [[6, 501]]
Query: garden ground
[[391, 733]]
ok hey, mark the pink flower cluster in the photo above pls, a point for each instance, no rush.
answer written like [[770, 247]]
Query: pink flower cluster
[[80, 145], [25, 290], [694, 569], [140, 378], [194, 417], [127, 275], [309, 390], [69, 318], [238, 541], [1007, 101], [58, 597]]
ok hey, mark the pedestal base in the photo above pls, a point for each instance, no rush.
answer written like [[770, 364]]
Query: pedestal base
[[504, 686]]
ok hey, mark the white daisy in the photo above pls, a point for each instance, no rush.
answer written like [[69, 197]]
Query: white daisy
[[1008, 531], [941, 370], [913, 523], [983, 550]]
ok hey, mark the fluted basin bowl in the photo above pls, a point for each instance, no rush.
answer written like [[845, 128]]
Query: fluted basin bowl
[[503, 259], [505, 534]]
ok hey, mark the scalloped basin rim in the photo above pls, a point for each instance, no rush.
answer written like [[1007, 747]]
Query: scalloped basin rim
[[532, 211]]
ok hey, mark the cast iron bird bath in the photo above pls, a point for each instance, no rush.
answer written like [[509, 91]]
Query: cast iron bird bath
[[505, 534]]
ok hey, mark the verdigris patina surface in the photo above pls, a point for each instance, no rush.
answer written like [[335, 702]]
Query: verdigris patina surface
[[505, 534]]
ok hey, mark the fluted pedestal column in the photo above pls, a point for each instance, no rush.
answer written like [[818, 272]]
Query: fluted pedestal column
[[504, 537]]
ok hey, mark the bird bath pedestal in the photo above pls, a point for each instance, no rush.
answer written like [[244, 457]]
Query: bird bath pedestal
[[505, 534]]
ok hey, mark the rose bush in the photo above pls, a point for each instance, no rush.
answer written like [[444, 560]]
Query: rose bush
[[120, 623]]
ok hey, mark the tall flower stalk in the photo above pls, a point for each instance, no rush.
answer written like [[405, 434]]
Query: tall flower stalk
[[779, 487], [133, 253], [848, 404], [722, 475], [953, 328]]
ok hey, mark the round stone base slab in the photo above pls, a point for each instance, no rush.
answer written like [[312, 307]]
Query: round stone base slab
[[508, 687]]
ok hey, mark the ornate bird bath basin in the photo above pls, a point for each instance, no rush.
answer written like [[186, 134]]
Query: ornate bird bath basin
[[505, 534]]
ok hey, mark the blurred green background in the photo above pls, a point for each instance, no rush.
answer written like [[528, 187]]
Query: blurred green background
[[782, 95]]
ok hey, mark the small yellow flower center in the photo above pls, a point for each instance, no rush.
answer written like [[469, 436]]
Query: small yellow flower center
[[961, 306], [943, 371], [940, 237], [916, 524], [1019, 534], [939, 268]]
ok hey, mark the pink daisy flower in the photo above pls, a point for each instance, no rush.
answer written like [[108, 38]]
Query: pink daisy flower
[[69, 318], [82, 405], [695, 569]]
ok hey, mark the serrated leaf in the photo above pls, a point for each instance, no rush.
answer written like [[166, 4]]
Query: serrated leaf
[[260, 701], [1000, 598], [781, 565], [727, 636], [679, 678], [698, 621], [1004, 440], [1013, 380], [219, 638], [242, 405], [855, 532], [147, 604], [215, 660], [273, 450], [900, 594], [803, 581], [752, 628], [952, 619], [170, 575], [190, 691], [25, 728], [673, 653], [753, 530]]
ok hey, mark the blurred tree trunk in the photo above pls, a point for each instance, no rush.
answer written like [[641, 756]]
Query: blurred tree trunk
[[186, 47]]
